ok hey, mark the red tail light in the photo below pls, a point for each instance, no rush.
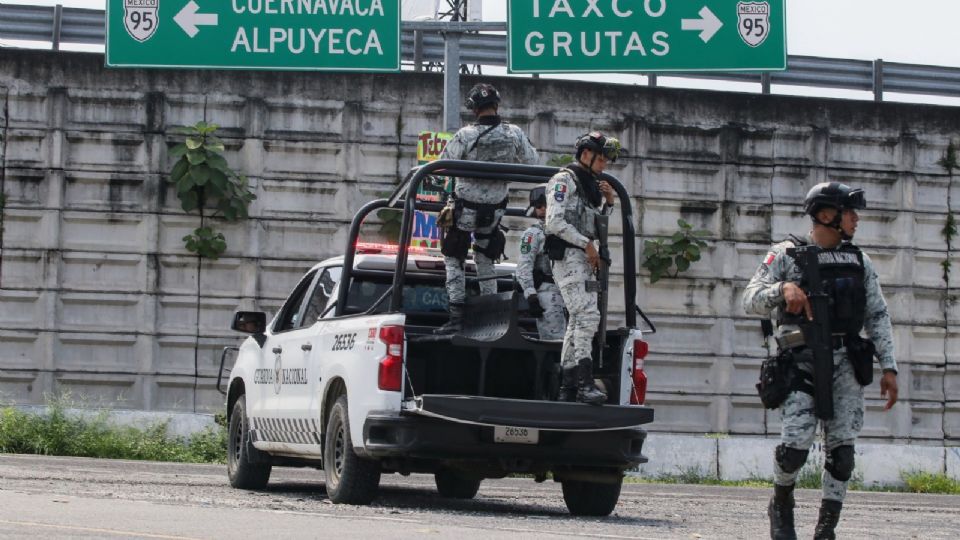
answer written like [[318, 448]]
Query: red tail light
[[639, 394], [390, 376]]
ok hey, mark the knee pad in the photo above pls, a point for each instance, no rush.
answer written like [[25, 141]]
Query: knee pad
[[840, 463], [790, 459]]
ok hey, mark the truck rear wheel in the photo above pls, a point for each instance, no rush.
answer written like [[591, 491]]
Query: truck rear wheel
[[454, 485], [349, 478], [590, 498], [245, 464]]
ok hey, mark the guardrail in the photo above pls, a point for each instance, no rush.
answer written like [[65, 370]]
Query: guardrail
[[484, 43]]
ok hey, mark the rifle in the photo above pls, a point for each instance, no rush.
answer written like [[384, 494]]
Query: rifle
[[603, 280], [816, 333]]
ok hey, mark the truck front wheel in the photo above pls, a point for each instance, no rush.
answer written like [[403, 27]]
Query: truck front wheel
[[454, 485], [349, 478], [246, 467], [590, 498]]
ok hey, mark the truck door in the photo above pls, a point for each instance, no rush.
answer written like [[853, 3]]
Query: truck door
[[286, 344]]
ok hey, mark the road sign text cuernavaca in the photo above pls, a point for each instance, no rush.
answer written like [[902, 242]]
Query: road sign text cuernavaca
[[336, 35], [565, 36]]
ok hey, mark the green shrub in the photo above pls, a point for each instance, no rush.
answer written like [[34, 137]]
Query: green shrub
[[924, 482], [57, 433]]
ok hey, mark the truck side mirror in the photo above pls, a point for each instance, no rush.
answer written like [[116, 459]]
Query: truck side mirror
[[249, 322]]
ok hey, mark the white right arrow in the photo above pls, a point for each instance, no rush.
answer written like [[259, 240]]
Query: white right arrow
[[189, 19], [708, 24]]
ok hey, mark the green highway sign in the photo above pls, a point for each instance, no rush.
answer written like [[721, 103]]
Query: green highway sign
[[568, 36], [331, 35]]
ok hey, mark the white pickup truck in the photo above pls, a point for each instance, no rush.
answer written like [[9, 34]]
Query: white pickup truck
[[349, 377]]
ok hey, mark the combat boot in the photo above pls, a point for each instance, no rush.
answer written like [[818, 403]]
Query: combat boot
[[568, 383], [454, 325], [587, 392], [780, 511], [829, 517]]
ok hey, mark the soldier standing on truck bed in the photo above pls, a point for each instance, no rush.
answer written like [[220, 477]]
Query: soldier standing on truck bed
[[479, 205], [850, 297], [535, 275], [575, 196]]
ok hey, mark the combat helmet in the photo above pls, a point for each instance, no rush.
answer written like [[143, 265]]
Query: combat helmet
[[599, 143], [833, 195], [481, 96], [538, 198]]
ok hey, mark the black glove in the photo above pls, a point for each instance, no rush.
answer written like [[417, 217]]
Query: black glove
[[535, 309]]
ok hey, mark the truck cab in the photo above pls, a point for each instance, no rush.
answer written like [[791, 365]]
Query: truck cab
[[349, 376]]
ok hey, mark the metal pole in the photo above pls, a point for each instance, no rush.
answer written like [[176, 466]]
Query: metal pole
[[652, 80], [418, 50], [878, 80], [765, 83], [451, 81], [57, 25]]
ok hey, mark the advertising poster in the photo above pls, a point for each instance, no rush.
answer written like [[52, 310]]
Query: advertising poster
[[430, 145]]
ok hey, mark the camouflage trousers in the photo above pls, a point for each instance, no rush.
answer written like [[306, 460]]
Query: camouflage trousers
[[800, 421], [572, 274], [456, 279], [552, 325]]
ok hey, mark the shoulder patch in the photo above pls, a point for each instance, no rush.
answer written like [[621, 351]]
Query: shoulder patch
[[526, 243], [769, 258], [560, 192]]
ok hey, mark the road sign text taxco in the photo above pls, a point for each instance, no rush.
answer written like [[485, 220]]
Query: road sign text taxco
[[334, 35], [566, 36]]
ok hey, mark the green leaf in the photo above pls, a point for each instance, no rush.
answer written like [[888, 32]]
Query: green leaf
[[693, 252], [179, 170], [177, 151], [196, 157], [677, 236], [682, 264], [217, 162], [200, 174], [218, 179], [683, 224], [189, 201], [184, 185], [214, 147], [194, 143]]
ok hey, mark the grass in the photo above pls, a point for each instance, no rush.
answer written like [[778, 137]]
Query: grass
[[924, 482], [57, 433], [913, 481]]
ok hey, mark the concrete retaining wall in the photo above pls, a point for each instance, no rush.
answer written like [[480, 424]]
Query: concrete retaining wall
[[98, 295]]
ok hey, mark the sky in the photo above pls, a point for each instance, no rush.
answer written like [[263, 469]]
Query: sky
[[918, 32]]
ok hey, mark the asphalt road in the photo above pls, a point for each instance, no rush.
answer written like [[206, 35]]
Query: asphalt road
[[52, 497]]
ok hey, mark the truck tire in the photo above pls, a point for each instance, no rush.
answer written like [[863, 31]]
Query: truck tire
[[246, 466], [454, 485], [350, 479], [590, 498]]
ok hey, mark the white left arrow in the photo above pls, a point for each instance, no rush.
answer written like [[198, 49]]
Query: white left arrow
[[189, 19], [708, 24]]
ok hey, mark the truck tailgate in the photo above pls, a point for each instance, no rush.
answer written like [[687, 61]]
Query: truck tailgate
[[549, 415]]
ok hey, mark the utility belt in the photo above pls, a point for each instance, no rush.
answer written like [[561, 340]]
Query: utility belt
[[556, 247], [779, 375], [792, 340], [540, 277], [486, 212]]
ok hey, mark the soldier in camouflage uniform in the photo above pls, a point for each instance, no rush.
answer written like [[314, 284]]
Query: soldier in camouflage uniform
[[535, 275], [479, 205], [575, 196], [774, 291]]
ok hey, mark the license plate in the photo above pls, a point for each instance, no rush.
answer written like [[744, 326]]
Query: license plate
[[521, 435]]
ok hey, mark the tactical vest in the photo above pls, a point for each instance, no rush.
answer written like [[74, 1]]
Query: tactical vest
[[583, 214], [842, 273], [495, 144], [542, 273]]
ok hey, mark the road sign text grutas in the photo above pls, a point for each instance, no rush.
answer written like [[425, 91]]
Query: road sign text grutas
[[607, 43], [316, 40]]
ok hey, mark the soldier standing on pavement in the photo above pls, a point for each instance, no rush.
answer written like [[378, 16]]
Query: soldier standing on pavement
[[857, 303], [575, 196], [535, 275], [479, 205]]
